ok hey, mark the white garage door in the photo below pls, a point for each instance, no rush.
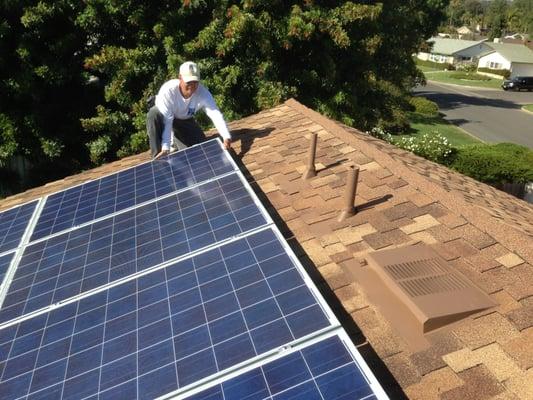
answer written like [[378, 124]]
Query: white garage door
[[522, 70]]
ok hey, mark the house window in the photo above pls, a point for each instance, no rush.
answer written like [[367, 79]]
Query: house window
[[494, 65], [437, 58], [463, 58]]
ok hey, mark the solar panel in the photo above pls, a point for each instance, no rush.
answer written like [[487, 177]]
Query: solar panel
[[5, 261], [325, 370], [168, 279], [86, 258], [165, 330], [131, 187], [13, 223]]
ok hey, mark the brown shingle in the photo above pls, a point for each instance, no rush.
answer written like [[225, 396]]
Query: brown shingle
[[479, 384], [486, 330]]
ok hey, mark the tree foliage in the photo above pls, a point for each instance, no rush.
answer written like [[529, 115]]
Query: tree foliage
[[76, 75], [499, 16]]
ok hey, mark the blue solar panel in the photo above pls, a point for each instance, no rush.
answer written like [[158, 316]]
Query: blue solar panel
[[13, 224], [168, 329], [5, 261], [94, 255], [323, 371], [131, 187]]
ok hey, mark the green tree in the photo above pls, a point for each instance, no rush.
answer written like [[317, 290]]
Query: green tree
[[349, 60], [497, 15], [521, 16], [78, 73], [45, 89]]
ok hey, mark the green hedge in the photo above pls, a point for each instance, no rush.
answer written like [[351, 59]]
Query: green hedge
[[495, 164], [502, 72], [424, 106], [471, 77], [432, 64]]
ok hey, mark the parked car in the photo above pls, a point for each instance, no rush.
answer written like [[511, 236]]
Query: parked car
[[518, 83]]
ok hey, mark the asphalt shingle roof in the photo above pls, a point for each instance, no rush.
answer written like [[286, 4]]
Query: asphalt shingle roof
[[517, 53], [402, 200], [449, 47]]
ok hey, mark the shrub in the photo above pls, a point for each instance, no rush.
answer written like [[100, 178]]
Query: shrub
[[380, 134], [424, 106], [397, 124], [467, 67], [471, 77], [434, 147], [502, 72], [495, 164]]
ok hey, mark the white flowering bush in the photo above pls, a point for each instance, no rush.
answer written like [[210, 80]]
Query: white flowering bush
[[381, 133], [434, 146]]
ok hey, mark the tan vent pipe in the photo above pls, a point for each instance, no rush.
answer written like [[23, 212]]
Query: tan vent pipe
[[311, 170], [349, 196]]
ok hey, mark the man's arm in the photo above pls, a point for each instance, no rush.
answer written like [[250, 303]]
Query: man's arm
[[216, 117]]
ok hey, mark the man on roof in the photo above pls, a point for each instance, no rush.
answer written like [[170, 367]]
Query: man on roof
[[175, 105]]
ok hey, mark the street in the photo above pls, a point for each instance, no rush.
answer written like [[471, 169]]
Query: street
[[491, 115]]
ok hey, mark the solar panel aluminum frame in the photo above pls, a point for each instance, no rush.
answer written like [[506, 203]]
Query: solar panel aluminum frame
[[4, 285], [373, 383], [238, 173], [45, 198]]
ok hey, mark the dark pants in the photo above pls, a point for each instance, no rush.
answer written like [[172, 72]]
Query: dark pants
[[186, 131]]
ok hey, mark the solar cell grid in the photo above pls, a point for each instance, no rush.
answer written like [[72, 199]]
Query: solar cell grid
[[94, 255], [165, 330], [13, 223], [323, 371], [105, 196], [5, 261]]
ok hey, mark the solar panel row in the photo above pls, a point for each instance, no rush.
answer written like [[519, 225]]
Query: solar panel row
[[131, 187], [164, 330], [322, 371], [111, 249], [169, 275]]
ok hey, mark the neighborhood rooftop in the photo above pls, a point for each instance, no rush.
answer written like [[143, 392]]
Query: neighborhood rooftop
[[449, 47], [402, 200], [512, 52]]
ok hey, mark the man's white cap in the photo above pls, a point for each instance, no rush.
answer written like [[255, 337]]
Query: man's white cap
[[189, 72]]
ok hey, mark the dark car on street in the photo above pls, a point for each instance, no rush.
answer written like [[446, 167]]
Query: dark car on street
[[518, 83]]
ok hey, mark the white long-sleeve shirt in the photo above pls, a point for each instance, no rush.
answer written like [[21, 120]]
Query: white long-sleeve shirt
[[171, 104]]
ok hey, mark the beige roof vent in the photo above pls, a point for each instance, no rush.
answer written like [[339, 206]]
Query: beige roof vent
[[415, 280]]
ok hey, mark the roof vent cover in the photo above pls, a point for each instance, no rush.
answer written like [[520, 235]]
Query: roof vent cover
[[433, 291]]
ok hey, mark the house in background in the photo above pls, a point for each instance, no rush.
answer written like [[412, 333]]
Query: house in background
[[453, 51], [464, 32], [516, 58]]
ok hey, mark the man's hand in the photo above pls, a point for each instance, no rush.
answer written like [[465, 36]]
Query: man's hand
[[227, 144], [162, 153]]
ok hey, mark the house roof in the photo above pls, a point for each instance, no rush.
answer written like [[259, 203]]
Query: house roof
[[402, 200], [449, 47], [517, 53]]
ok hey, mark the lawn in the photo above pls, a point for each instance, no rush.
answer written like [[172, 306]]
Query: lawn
[[528, 107], [461, 78], [423, 68], [421, 124]]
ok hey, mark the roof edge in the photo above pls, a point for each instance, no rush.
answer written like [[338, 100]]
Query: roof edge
[[507, 235]]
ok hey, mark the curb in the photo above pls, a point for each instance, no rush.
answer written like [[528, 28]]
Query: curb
[[523, 108]]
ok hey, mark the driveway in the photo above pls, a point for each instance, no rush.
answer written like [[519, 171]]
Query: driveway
[[491, 115]]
